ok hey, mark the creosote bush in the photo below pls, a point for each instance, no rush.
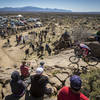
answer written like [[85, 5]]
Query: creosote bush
[[91, 84]]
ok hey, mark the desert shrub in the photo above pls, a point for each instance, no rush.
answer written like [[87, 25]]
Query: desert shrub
[[91, 84], [55, 72], [79, 33]]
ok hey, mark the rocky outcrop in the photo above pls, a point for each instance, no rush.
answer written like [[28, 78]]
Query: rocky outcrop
[[55, 82], [63, 43], [95, 48], [91, 38], [57, 68]]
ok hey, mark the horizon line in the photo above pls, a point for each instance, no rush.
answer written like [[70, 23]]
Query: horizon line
[[52, 8]]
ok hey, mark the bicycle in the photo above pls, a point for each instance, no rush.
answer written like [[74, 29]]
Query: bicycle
[[89, 59]]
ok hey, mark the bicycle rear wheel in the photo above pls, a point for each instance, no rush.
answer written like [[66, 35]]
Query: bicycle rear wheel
[[74, 59], [92, 61]]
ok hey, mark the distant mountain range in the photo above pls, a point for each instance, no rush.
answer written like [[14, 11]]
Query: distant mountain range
[[33, 9]]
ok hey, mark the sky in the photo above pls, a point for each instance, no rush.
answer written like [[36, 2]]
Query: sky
[[74, 5]]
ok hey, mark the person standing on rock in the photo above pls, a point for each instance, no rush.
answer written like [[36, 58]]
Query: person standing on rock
[[38, 85], [32, 46], [8, 42], [17, 86], [48, 49], [72, 92]]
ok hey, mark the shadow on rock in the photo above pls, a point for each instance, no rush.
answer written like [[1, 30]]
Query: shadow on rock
[[29, 97], [11, 97]]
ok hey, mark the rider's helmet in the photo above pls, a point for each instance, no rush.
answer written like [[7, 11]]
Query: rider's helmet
[[75, 83]]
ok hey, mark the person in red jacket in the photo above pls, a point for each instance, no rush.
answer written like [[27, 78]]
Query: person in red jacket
[[72, 92], [24, 70]]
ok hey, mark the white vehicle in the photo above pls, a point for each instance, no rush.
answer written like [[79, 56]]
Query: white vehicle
[[33, 19], [30, 20], [0, 17], [20, 23], [38, 24]]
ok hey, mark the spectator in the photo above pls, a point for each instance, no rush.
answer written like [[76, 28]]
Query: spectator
[[17, 85], [38, 85], [8, 42], [72, 92], [27, 52], [32, 46], [42, 64], [48, 49], [24, 70]]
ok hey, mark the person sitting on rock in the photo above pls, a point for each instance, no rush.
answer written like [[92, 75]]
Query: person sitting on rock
[[17, 86], [72, 92], [38, 85], [24, 70]]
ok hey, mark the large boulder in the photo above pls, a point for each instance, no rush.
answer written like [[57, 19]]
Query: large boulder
[[55, 82], [62, 76], [95, 48], [63, 43], [91, 38], [54, 90]]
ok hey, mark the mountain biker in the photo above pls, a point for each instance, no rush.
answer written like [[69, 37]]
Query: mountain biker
[[72, 92], [24, 70], [83, 49], [17, 85]]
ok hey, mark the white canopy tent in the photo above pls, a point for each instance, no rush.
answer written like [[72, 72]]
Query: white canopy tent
[[19, 16]]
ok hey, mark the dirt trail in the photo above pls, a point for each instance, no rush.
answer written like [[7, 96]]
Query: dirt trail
[[9, 56], [4, 57], [13, 55]]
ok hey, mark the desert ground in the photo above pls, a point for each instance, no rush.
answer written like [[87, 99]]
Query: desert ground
[[80, 27]]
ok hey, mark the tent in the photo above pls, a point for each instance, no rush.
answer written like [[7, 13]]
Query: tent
[[19, 16], [38, 24]]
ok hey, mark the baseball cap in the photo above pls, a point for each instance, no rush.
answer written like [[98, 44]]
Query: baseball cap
[[39, 70], [75, 82], [42, 63]]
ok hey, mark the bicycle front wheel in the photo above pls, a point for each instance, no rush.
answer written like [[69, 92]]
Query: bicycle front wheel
[[74, 59], [92, 61]]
